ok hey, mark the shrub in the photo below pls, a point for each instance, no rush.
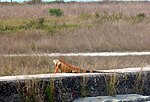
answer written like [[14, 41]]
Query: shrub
[[56, 12], [33, 46], [34, 1], [141, 15], [138, 18], [97, 15]]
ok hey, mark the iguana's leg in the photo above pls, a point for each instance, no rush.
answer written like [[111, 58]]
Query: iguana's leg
[[56, 69]]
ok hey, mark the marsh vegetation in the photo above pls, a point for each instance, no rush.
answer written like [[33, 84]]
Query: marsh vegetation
[[74, 27]]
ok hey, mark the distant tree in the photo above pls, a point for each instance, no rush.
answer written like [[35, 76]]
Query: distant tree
[[60, 1], [36, 1]]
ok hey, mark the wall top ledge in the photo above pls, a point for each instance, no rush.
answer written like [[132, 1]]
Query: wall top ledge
[[59, 75]]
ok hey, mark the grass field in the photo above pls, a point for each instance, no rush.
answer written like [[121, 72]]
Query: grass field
[[40, 65], [84, 27]]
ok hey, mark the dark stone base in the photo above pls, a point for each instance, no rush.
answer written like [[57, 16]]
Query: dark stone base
[[67, 89]]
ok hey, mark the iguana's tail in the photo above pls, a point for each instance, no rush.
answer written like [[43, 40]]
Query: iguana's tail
[[89, 71]]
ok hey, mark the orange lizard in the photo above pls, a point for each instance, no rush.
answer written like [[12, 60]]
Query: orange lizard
[[67, 68]]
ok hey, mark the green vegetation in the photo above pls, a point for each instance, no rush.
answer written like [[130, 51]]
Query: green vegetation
[[109, 17], [37, 24], [30, 91], [84, 90], [49, 91], [56, 12], [35, 90], [35, 1], [111, 85], [139, 82], [138, 18]]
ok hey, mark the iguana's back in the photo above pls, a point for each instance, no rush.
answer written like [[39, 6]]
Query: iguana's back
[[67, 68]]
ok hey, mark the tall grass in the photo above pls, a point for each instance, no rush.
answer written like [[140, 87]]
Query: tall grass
[[111, 85], [84, 27], [40, 65], [25, 65], [35, 90]]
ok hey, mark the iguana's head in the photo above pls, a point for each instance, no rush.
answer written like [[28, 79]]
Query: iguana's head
[[56, 62]]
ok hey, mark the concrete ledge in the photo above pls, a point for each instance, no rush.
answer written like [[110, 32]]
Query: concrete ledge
[[69, 86], [116, 98]]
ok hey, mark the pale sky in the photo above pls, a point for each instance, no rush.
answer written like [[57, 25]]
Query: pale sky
[[71, 0], [49, 0]]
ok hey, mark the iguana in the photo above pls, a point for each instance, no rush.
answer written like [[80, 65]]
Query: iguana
[[67, 68]]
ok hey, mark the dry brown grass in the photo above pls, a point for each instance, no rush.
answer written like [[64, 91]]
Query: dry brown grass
[[108, 36], [98, 27], [41, 65], [127, 33], [71, 9]]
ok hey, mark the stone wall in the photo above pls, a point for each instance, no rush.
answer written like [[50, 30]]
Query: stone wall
[[67, 87]]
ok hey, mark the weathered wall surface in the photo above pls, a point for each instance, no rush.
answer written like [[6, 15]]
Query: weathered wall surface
[[67, 87]]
